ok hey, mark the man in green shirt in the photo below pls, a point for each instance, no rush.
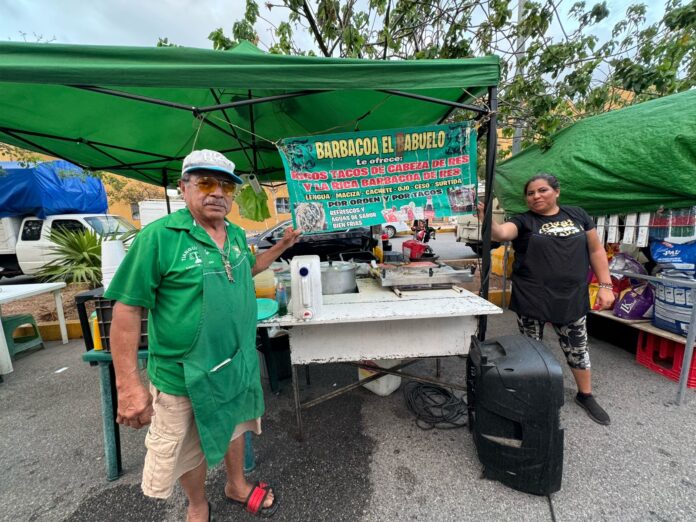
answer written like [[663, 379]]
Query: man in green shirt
[[192, 271]]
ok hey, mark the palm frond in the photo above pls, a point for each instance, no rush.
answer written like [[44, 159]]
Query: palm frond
[[77, 257]]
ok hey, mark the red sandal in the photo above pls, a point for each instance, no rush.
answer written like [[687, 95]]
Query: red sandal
[[254, 501]]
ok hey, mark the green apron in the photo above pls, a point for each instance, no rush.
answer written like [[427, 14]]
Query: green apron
[[221, 369]]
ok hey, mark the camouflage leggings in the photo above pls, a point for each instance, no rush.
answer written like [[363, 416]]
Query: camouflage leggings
[[572, 337]]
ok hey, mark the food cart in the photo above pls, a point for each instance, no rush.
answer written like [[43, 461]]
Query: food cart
[[377, 323]]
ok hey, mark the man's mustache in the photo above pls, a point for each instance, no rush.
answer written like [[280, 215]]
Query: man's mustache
[[218, 202]]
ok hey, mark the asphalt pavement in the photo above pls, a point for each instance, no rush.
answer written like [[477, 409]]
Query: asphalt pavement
[[364, 458]]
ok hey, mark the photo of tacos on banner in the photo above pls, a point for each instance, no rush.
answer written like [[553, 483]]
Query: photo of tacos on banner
[[310, 217]]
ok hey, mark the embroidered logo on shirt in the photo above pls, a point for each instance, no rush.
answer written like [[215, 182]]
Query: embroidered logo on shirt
[[191, 254], [563, 228]]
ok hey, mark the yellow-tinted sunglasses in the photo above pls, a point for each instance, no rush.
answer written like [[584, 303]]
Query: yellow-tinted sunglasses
[[209, 184]]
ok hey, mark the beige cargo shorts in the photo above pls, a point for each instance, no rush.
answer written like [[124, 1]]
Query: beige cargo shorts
[[172, 442]]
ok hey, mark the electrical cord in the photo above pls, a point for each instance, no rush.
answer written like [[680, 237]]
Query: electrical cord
[[434, 406]]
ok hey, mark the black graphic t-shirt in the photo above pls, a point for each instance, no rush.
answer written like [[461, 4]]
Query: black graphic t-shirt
[[551, 262], [569, 221]]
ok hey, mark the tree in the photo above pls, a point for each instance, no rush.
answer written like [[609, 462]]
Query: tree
[[120, 189], [566, 77], [21, 156]]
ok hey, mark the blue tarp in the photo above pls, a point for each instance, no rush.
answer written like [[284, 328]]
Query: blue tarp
[[44, 189]]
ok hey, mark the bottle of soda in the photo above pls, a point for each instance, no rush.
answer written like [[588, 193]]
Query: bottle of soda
[[282, 298], [429, 210]]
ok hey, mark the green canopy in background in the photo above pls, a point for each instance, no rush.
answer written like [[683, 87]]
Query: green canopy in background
[[138, 111], [634, 159]]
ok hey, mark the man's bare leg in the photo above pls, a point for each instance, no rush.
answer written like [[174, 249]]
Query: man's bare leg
[[237, 487], [193, 483]]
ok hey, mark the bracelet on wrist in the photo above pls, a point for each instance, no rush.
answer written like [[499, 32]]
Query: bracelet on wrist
[[608, 286]]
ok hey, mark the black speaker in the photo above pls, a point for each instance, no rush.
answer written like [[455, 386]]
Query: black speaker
[[514, 395]]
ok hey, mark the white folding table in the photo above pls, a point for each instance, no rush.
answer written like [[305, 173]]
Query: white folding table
[[10, 293]]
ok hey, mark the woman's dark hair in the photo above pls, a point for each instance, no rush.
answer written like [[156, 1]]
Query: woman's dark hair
[[549, 178]]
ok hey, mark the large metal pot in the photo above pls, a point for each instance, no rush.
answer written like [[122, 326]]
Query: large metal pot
[[337, 277]]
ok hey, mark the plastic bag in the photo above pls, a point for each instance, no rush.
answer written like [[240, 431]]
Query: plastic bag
[[673, 256], [252, 205], [635, 303], [626, 263]]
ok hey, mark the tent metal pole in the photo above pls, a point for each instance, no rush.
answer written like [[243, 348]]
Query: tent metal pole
[[136, 97], [17, 136], [254, 101], [688, 351], [32, 144], [166, 195], [201, 110], [430, 99], [252, 128], [452, 109], [491, 146], [9, 130], [221, 129]]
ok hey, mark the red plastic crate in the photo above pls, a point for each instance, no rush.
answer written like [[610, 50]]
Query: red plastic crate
[[664, 356]]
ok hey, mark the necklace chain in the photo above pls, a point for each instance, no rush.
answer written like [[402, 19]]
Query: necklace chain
[[225, 250], [226, 258], [224, 254]]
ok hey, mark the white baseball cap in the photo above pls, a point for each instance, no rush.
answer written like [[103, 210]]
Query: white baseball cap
[[209, 160]]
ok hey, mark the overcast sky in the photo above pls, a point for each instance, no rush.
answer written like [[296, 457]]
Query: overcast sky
[[117, 22], [142, 22]]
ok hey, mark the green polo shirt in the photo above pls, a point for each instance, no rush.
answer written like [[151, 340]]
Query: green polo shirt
[[163, 272]]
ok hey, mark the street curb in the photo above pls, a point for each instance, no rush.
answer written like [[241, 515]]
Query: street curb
[[50, 331]]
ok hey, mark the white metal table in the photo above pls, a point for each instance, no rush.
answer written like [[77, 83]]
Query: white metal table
[[377, 324], [10, 293]]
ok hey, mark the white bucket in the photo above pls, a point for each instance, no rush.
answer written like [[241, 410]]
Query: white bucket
[[107, 276], [113, 252], [384, 385]]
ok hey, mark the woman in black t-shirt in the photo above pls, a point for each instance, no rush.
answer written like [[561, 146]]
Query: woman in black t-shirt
[[554, 246]]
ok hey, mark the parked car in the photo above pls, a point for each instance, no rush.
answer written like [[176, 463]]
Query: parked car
[[328, 245], [394, 227]]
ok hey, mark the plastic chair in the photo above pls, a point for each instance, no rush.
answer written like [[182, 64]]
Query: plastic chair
[[16, 345]]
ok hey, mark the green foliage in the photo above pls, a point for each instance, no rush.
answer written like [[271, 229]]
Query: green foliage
[[128, 237], [129, 191], [25, 158], [164, 42], [545, 85], [241, 30], [78, 258]]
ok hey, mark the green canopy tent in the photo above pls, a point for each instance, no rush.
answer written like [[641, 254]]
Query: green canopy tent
[[635, 159], [138, 111]]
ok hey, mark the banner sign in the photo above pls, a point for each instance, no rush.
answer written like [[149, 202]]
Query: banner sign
[[341, 181]]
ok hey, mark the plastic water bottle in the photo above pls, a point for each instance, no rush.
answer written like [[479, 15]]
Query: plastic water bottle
[[282, 298]]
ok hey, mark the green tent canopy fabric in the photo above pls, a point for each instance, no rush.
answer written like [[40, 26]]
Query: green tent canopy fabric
[[138, 111], [635, 159]]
